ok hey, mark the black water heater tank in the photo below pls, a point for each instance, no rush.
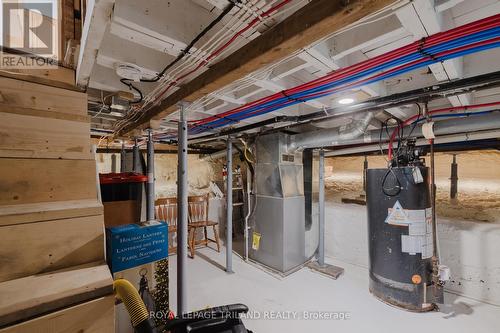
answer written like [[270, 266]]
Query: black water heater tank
[[400, 236]]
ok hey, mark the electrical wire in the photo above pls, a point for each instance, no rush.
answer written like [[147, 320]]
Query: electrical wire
[[232, 4], [212, 55], [136, 112], [182, 53], [132, 87], [397, 187]]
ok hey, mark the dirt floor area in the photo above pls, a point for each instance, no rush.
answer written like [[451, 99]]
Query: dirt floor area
[[478, 185]]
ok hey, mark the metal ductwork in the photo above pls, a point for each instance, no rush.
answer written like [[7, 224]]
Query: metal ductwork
[[442, 127], [285, 191], [331, 137], [279, 216]]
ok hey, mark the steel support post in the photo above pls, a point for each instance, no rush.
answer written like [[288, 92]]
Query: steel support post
[[229, 204], [135, 157], [182, 213], [454, 178], [150, 212], [122, 158], [321, 206]]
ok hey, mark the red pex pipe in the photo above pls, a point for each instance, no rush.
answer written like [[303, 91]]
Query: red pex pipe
[[229, 42], [444, 53], [433, 40]]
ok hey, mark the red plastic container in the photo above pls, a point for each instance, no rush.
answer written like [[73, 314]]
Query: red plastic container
[[121, 186]]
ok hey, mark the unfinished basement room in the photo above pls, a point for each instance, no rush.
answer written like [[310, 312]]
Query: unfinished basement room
[[233, 166]]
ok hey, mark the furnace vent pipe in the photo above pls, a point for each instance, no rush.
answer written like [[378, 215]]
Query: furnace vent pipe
[[357, 133], [443, 127], [331, 137]]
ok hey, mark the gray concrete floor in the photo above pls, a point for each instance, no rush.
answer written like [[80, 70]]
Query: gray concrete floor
[[306, 293]]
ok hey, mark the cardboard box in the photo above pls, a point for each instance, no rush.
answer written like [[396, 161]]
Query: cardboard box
[[121, 213], [133, 245]]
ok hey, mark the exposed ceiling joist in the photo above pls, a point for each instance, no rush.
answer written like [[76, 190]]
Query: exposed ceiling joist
[[442, 5], [423, 19], [315, 21], [365, 36], [96, 21]]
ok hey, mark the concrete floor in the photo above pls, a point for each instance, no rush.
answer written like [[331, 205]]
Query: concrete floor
[[305, 290]]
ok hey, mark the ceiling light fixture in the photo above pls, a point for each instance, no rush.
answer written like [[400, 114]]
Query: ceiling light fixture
[[345, 101]]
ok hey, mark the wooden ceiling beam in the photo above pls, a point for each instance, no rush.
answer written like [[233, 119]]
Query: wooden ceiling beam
[[313, 22]]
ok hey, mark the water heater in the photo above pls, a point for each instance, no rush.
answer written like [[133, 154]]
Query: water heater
[[400, 235]]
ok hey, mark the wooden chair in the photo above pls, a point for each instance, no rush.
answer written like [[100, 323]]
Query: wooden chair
[[198, 218], [166, 211]]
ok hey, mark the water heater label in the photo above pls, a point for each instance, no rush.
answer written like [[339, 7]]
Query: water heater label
[[419, 238], [419, 223]]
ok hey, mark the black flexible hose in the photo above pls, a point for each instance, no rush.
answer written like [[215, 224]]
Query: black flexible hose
[[131, 86]]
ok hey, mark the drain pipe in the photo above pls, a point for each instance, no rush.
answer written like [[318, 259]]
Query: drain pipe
[[328, 137]]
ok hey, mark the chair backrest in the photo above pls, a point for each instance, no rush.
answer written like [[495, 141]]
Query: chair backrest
[[166, 210], [198, 208]]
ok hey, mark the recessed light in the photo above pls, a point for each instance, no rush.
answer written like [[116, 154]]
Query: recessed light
[[345, 101]]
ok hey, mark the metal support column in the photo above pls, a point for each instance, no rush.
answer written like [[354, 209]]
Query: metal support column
[[122, 158], [113, 163], [229, 204], [454, 178], [365, 167], [182, 213], [321, 205], [150, 199], [320, 265], [135, 157]]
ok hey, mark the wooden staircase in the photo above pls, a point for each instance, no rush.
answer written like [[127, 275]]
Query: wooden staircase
[[52, 271]]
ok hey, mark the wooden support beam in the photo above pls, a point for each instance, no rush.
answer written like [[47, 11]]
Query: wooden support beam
[[314, 21]]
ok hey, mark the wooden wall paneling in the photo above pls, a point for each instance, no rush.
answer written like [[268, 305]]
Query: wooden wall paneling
[[30, 95], [35, 295], [96, 316], [36, 137], [34, 248], [46, 211], [60, 77], [46, 180]]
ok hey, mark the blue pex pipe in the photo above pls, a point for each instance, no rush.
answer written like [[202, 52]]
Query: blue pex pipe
[[287, 102], [482, 36], [453, 115]]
